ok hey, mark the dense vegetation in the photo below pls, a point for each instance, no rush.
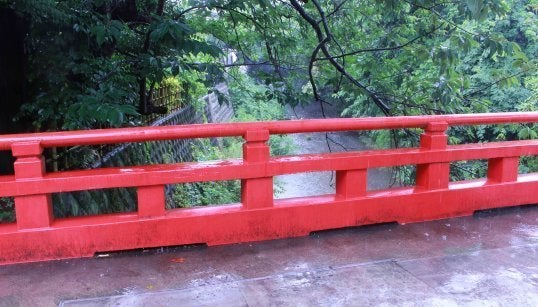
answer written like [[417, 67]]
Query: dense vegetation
[[86, 64], [94, 63]]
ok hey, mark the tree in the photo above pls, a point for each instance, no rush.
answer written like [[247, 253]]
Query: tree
[[382, 57], [392, 57], [95, 63]]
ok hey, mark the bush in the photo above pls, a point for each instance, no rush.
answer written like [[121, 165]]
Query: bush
[[7, 210]]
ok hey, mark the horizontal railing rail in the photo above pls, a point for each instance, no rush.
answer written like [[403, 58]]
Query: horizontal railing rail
[[38, 235], [120, 177], [143, 134]]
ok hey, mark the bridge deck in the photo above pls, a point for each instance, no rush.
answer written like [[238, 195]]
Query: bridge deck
[[490, 257]]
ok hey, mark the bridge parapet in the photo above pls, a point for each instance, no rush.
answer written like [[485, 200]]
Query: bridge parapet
[[36, 235]]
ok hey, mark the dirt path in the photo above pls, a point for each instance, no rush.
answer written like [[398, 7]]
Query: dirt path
[[319, 183]]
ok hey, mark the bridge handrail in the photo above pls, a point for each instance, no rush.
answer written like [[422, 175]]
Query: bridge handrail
[[38, 235], [142, 134]]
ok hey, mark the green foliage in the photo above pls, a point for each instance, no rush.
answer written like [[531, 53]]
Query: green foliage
[[209, 193], [88, 60], [7, 210], [465, 170], [252, 102], [173, 84], [528, 164], [420, 57], [417, 57], [90, 63], [281, 145]]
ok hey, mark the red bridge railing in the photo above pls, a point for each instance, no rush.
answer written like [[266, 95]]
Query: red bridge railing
[[37, 235]]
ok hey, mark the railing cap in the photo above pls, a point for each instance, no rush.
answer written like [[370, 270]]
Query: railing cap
[[143, 134]]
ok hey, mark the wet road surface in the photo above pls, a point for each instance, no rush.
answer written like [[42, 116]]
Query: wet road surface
[[490, 259]]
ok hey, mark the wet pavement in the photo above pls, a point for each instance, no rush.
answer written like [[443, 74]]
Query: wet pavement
[[490, 259]]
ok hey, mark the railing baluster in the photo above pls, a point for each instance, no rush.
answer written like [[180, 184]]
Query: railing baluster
[[256, 192], [503, 169], [32, 211], [433, 175], [351, 183], [151, 201]]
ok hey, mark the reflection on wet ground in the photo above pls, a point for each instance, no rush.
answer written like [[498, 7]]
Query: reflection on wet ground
[[488, 259]]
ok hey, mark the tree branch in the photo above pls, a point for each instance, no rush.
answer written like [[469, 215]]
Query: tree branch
[[336, 9], [311, 75], [323, 39], [381, 48], [496, 82], [432, 10]]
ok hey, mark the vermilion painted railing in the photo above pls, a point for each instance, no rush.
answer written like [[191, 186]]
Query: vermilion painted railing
[[37, 235]]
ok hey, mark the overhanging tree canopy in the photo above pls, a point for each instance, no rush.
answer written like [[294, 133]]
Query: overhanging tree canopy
[[94, 62]]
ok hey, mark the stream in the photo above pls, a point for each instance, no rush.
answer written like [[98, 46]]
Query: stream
[[320, 183]]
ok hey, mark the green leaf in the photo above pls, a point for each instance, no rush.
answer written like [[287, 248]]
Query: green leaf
[[99, 32], [527, 133]]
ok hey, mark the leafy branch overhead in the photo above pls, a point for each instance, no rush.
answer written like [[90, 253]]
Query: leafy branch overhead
[[391, 57], [95, 63]]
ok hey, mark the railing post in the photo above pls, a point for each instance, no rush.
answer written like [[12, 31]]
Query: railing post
[[351, 183], [503, 169], [433, 175], [32, 211], [256, 192], [151, 201]]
